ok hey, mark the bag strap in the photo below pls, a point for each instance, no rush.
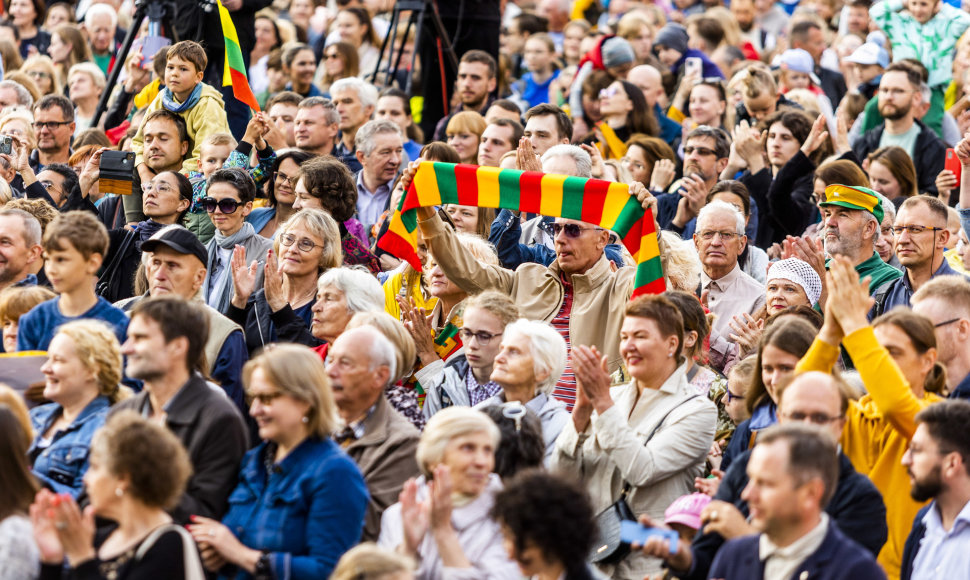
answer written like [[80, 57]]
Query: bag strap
[[116, 260], [190, 555], [626, 486]]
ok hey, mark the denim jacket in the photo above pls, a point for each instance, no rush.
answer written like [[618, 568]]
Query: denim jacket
[[306, 512], [61, 466]]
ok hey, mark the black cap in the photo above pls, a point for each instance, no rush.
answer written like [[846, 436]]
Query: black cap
[[179, 239]]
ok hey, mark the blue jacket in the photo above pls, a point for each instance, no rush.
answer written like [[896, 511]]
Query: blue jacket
[[837, 558], [306, 513], [505, 233], [708, 68], [764, 416], [900, 291], [856, 507], [912, 545], [61, 466]]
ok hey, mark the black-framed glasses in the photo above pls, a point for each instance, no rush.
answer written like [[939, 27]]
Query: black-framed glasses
[[38, 125], [280, 176], [302, 244], [816, 418], [483, 337], [946, 322], [708, 235], [571, 230], [225, 205], [913, 230], [266, 398], [699, 150]]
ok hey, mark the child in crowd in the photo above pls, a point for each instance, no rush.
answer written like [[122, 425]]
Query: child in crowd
[[75, 244], [797, 72], [14, 303], [671, 49], [220, 150], [684, 515], [540, 58]]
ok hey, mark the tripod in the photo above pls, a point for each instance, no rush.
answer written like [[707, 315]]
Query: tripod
[[160, 13], [424, 15]]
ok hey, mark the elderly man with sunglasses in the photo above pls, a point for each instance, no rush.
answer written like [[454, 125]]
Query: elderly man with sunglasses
[[920, 241], [581, 293]]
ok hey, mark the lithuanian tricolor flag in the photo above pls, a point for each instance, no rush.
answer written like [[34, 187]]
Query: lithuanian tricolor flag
[[595, 201], [234, 74]]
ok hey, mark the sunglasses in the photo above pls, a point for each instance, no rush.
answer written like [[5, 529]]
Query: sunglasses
[[225, 205], [571, 230]]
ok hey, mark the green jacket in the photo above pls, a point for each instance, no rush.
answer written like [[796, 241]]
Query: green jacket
[[880, 271]]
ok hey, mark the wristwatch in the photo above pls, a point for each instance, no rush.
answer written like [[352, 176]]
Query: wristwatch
[[264, 568]]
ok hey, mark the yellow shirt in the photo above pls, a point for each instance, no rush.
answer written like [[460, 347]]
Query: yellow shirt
[[393, 287], [877, 430]]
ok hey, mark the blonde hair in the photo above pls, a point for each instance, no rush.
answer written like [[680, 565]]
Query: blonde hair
[[322, 225], [681, 265], [90, 69], [217, 139], [393, 329], [756, 81], [96, 345], [16, 301], [15, 403], [368, 561], [299, 373], [467, 122], [45, 64], [448, 424], [25, 116], [497, 304]]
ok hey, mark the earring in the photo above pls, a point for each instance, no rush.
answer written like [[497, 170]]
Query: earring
[[306, 419], [670, 355], [119, 492]]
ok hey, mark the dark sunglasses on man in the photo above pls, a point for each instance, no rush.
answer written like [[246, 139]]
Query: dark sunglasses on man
[[572, 230]]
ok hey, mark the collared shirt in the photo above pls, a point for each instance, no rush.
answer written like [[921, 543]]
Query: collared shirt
[[565, 389], [478, 392], [943, 553], [371, 204], [347, 156], [732, 295], [355, 429], [901, 291], [781, 563]]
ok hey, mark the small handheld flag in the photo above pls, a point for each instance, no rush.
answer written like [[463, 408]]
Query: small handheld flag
[[603, 203], [234, 74]]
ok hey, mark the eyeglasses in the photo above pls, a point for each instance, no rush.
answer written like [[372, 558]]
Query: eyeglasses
[[571, 230], [225, 205], [609, 92], [266, 398], [703, 151], [159, 187], [816, 418], [708, 235], [280, 176], [49, 185], [39, 74], [631, 164], [39, 125], [731, 396], [946, 322], [913, 230], [483, 337], [303, 244]]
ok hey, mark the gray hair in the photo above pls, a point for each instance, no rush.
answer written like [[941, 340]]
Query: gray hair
[[23, 95], [362, 290], [380, 352], [718, 206], [584, 163], [32, 229], [100, 10], [448, 424], [366, 92], [548, 350], [365, 139], [888, 208], [331, 116]]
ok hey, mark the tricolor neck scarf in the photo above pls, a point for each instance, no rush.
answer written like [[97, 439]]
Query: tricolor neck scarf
[[169, 102]]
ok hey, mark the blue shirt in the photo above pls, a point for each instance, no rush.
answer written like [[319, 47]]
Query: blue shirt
[[942, 553], [62, 464], [535, 93], [900, 290], [305, 511], [371, 204], [38, 326]]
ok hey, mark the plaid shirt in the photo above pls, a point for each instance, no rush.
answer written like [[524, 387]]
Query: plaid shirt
[[480, 392]]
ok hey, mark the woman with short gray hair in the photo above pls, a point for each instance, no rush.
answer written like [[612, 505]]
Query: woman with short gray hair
[[341, 293], [530, 361]]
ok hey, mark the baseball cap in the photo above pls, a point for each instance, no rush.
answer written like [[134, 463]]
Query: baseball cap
[[686, 510], [798, 60], [179, 239], [869, 53], [861, 198]]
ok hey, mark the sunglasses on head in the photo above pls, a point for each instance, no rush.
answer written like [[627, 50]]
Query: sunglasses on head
[[571, 230], [225, 205]]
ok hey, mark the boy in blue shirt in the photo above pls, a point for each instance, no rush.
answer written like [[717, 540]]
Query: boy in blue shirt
[[74, 247]]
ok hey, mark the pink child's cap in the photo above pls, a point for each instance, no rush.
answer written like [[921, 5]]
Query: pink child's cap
[[686, 510]]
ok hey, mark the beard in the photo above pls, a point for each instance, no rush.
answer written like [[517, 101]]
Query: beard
[[927, 488], [893, 113]]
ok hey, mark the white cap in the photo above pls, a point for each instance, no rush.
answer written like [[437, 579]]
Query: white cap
[[870, 53], [797, 272]]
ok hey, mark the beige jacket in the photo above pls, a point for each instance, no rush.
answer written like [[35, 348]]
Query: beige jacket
[[599, 296], [613, 450]]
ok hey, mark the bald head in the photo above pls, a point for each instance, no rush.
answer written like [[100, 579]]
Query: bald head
[[814, 397], [649, 80]]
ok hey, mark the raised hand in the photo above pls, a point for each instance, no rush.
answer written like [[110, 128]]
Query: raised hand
[[592, 376], [708, 485], [723, 518], [45, 530], [74, 529], [599, 168], [945, 182], [441, 504], [418, 324], [747, 333], [526, 157], [816, 136], [662, 175], [273, 282], [243, 277], [841, 138], [415, 517], [849, 299]]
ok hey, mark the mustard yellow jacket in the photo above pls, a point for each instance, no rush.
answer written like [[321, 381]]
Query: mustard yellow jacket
[[877, 430]]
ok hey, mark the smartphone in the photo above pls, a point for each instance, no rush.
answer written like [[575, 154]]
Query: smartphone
[[692, 66], [633, 532], [953, 164], [6, 144], [116, 172]]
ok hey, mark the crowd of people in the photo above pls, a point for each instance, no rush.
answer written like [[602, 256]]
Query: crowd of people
[[223, 372]]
